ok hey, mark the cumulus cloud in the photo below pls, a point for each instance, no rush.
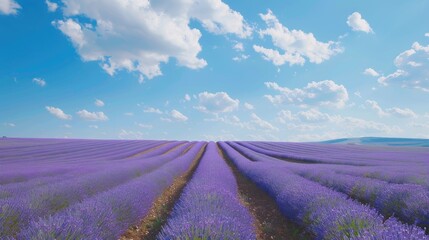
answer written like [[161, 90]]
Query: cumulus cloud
[[371, 72], [152, 110], [178, 116], [357, 23], [325, 92], [52, 7], [187, 97], [140, 35], [92, 116], [412, 69], [39, 81], [426, 34], [58, 113], [9, 7], [262, 123], [296, 45], [219, 102]]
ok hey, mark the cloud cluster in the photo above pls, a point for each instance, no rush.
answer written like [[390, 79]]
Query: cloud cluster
[[412, 68], [52, 7], [324, 93], [140, 35], [394, 111], [371, 72], [9, 7], [314, 119], [92, 116], [58, 113], [297, 46], [219, 102], [178, 116], [357, 23], [39, 81]]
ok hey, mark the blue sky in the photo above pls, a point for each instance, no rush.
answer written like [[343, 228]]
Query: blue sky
[[214, 70]]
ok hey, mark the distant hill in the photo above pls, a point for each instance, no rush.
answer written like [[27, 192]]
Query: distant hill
[[413, 142]]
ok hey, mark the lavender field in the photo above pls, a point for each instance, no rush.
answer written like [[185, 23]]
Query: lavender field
[[138, 189]]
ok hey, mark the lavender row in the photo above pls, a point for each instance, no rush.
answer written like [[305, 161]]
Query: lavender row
[[109, 214], [358, 155], [325, 213], [17, 212], [409, 202], [209, 207], [20, 172], [399, 172], [68, 153]]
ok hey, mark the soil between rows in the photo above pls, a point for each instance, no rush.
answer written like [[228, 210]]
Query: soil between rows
[[270, 223], [152, 224]]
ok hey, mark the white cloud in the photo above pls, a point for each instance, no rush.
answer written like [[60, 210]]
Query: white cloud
[[234, 121], [325, 92], [124, 134], [99, 103], [312, 115], [219, 102], [352, 123], [394, 111], [178, 116], [412, 69], [248, 106], [93, 126], [357, 23], [238, 47], [240, 58], [58, 113], [262, 123], [374, 105], [140, 35], [92, 116], [129, 114], [285, 116], [39, 81], [52, 7], [371, 72], [9, 124], [402, 112], [426, 34], [9, 7], [187, 97], [296, 44], [152, 110], [67, 126]]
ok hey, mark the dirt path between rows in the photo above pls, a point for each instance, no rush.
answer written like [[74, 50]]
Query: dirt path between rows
[[158, 215], [270, 223]]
